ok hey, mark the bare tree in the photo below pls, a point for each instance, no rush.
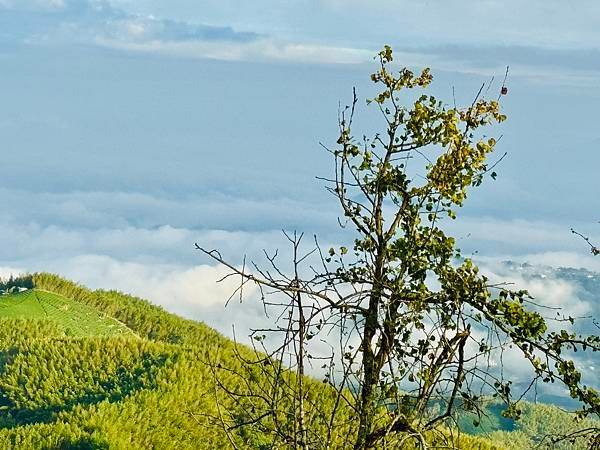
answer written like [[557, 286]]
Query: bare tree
[[595, 250], [416, 333]]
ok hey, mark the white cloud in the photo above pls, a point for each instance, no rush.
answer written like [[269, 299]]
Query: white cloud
[[556, 296], [177, 287], [40, 247], [556, 259], [6, 271], [263, 49], [105, 209]]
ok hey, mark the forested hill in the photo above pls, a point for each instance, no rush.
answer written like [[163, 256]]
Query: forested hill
[[82, 369]]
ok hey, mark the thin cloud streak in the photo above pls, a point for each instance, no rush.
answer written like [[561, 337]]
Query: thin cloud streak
[[259, 50]]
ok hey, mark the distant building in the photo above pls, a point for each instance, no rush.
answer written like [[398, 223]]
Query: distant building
[[13, 290]]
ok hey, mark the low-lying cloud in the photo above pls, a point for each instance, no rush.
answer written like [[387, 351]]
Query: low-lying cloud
[[210, 210]]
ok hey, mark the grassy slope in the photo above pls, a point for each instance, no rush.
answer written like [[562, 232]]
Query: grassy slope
[[148, 386], [74, 318]]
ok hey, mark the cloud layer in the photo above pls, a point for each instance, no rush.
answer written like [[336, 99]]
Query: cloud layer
[[317, 32], [96, 22], [89, 20]]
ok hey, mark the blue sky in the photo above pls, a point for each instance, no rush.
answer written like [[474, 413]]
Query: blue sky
[[132, 129]]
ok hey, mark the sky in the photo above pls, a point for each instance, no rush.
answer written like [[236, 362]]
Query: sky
[[130, 130]]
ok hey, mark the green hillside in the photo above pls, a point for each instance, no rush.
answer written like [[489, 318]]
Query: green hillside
[[82, 369], [74, 318]]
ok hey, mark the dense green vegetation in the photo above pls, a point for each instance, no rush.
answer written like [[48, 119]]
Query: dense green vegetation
[[74, 318], [539, 424], [88, 369]]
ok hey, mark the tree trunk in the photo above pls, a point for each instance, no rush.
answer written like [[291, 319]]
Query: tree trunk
[[370, 377]]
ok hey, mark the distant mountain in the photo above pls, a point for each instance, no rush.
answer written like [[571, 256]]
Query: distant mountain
[[559, 293], [587, 282], [82, 369]]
